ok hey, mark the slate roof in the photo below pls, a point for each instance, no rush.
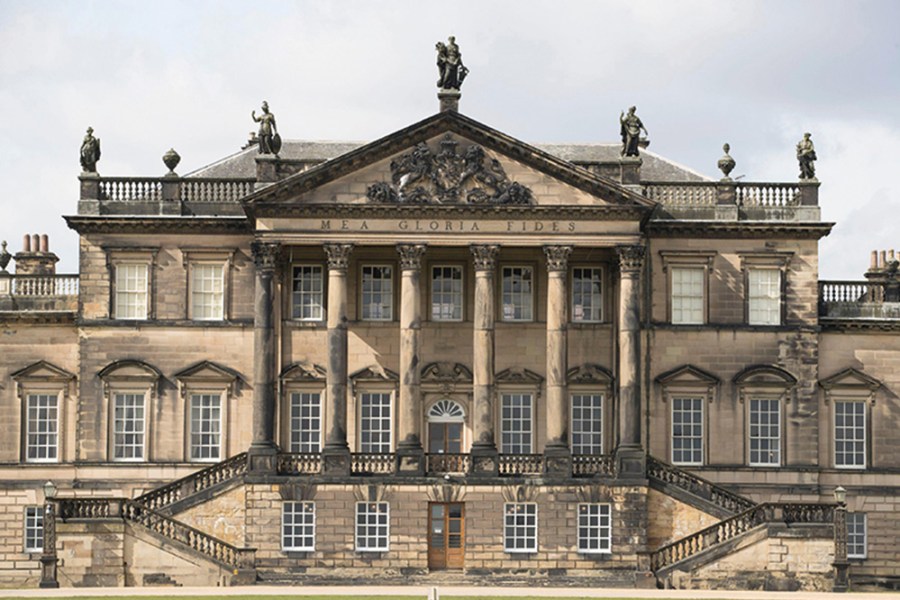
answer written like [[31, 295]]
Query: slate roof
[[242, 164]]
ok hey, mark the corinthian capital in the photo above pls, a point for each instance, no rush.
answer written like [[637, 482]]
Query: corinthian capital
[[338, 256], [410, 256], [485, 256], [265, 255], [557, 257], [631, 258]]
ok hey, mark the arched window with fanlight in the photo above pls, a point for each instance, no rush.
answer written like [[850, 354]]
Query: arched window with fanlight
[[446, 420]]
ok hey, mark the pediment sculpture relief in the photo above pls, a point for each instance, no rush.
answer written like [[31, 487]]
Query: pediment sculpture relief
[[422, 176]]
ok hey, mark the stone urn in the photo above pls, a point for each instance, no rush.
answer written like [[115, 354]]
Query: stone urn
[[726, 163], [171, 160]]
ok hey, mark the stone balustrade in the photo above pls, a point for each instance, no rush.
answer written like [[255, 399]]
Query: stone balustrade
[[863, 300]]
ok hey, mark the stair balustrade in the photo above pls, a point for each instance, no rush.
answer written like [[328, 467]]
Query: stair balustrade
[[702, 488], [221, 472]]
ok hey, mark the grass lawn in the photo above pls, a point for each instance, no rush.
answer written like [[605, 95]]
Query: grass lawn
[[328, 597]]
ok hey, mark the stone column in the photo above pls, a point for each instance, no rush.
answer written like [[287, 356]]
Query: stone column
[[263, 450], [410, 455], [484, 449], [336, 452], [630, 460], [557, 455]]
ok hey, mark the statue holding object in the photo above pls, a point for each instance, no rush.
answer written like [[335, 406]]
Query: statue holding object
[[631, 127], [90, 152], [451, 71], [806, 156], [269, 140]]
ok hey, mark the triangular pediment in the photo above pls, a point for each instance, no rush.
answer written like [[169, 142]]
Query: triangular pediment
[[208, 371], [303, 371], [850, 378], [446, 160], [42, 371], [687, 375]]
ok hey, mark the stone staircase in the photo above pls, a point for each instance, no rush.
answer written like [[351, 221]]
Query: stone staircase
[[197, 487], [695, 491]]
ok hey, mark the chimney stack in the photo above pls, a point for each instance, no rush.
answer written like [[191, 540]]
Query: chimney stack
[[35, 257]]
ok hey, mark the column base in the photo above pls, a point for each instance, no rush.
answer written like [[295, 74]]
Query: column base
[[841, 577], [48, 572], [557, 462], [485, 461], [410, 461], [336, 461], [631, 462], [262, 458], [644, 579]]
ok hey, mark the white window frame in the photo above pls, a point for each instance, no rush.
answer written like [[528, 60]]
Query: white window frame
[[518, 301], [518, 518], [456, 298], [316, 305], [759, 261], [506, 420], [382, 446], [298, 525], [191, 433], [123, 310], [578, 315], [755, 431], [860, 434], [591, 528], [305, 396], [675, 260], [114, 421], [764, 308], [212, 300], [33, 529], [697, 302], [596, 427], [699, 400], [375, 515], [385, 289], [857, 535], [54, 448]]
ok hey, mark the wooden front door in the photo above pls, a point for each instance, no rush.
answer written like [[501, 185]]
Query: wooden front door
[[446, 535]]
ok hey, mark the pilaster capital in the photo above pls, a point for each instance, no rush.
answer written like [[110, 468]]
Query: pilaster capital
[[485, 256], [557, 257], [631, 258], [338, 256], [265, 255], [410, 256]]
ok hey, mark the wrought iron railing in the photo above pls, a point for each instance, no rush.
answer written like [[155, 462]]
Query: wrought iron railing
[[369, 463], [299, 463], [168, 494], [586, 465], [447, 463], [37, 286], [215, 190], [697, 486], [521, 464], [723, 531]]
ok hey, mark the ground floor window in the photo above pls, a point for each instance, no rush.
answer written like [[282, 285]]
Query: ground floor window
[[372, 526], [298, 526], [34, 529], [594, 528], [520, 527], [856, 535]]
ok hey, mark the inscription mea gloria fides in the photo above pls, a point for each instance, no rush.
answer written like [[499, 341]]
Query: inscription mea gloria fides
[[422, 176], [447, 225]]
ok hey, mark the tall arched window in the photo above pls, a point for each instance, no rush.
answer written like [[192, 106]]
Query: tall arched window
[[446, 419]]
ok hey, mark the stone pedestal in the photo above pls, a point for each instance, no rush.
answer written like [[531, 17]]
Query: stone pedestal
[[336, 452], [558, 460], [809, 192], [630, 170], [630, 456], [263, 448], [266, 170], [484, 449], [89, 200], [171, 195], [449, 100]]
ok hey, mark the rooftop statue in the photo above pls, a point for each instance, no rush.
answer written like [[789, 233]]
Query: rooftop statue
[[90, 152], [451, 70], [806, 156], [269, 140], [631, 127]]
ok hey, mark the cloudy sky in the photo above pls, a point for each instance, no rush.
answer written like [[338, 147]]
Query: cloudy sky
[[152, 75]]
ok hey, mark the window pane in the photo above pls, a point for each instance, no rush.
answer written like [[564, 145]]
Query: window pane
[[764, 296], [586, 296], [42, 428], [206, 427], [128, 427], [687, 431], [375, 423], [298, 526], [765, 432], [520, 527], [587, 424], [377, 293], [306, 422], [517, 294], [34, 529], [594, 528], [372, 526], [131, 291], [307, 300], [850, 434], [515, 423], [687, 295], [856, 535], [207, 291], [446, 293]]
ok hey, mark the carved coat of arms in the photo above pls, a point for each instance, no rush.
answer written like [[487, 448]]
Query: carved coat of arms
[[422, 176]]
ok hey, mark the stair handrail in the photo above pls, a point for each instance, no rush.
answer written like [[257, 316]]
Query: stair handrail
[[172, 492], [730, 528], [698, 486]]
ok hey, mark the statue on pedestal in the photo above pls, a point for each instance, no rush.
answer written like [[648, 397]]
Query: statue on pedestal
[[806, 156], [631, 127], [269, 140], [90, 152], [451, 70]]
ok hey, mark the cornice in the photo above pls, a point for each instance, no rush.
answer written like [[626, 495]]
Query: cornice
[[38, 317], [738, 229], [868, 325], [158, 224]]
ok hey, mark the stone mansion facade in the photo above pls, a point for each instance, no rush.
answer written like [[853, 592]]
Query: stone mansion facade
[[448, 355]]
